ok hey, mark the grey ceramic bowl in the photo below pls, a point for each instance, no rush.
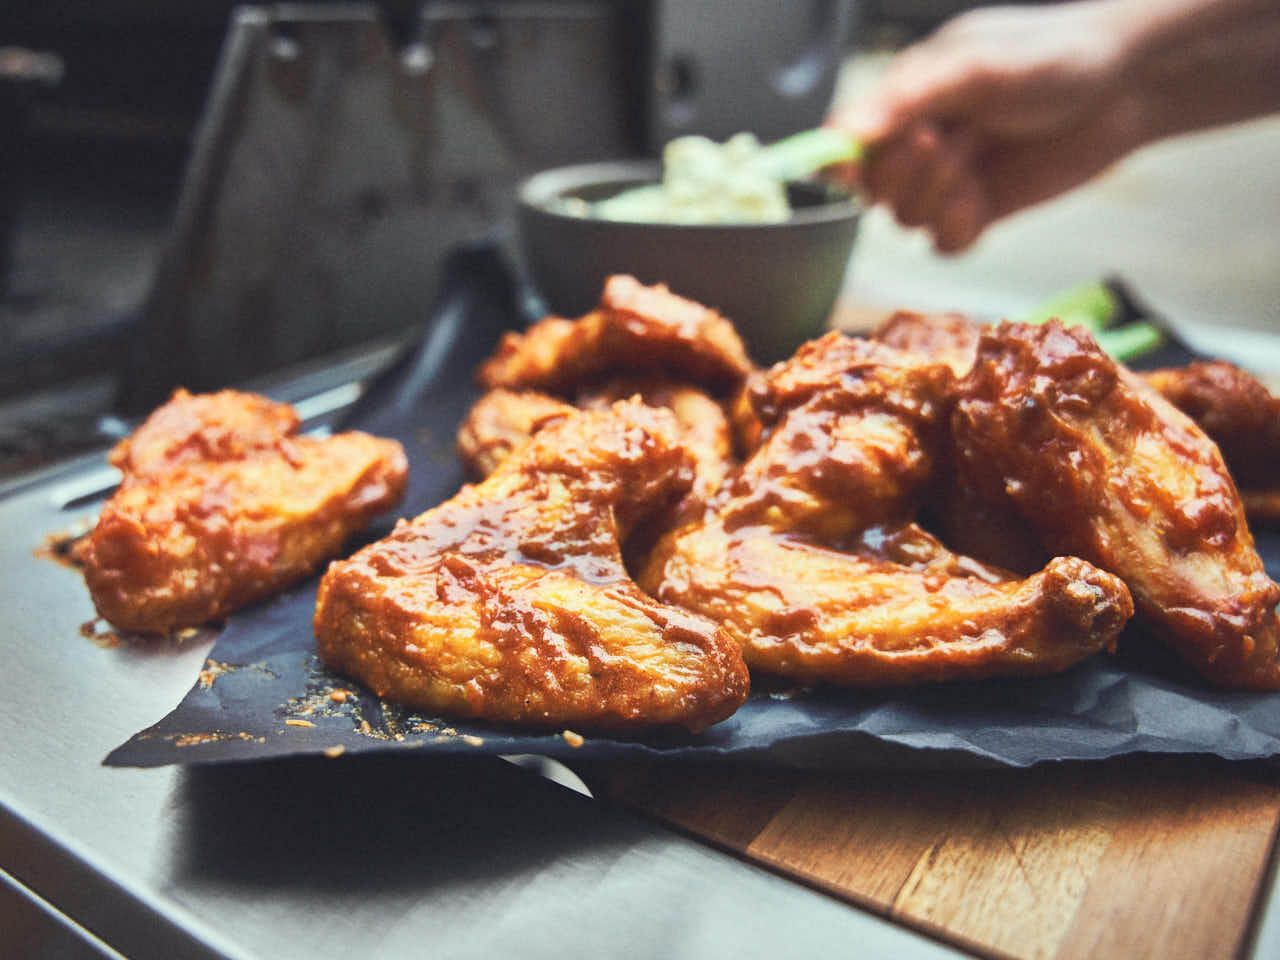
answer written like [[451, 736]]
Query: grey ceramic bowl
[[777, 282]]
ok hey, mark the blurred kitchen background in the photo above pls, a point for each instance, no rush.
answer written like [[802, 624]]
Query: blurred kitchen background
[[207, 194]]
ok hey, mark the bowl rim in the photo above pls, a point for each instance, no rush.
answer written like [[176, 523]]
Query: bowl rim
[[535, 191]]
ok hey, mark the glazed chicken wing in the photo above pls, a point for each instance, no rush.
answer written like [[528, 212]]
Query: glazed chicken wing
[[950, 338], [809, 558], [222, 504], [636, 330], [704, 427], [1101, 466], [510, 602], [1237, 412], [501, 421]]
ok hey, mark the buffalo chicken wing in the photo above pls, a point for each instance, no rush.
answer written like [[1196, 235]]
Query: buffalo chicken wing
[[1100, 465], [809, 558], [222, 504], [510, 602]]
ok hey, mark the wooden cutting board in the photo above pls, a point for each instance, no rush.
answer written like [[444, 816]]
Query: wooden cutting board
[[1140, 857]]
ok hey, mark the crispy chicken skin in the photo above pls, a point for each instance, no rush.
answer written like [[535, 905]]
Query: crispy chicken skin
[[227, 425], [703, 425], [499, 422], [809, 558], [851, 429], [950, 338], [503, 419], [221, 505], [637, 329], [1237, 411], [1103, 467], [748, 431], [510, 602]]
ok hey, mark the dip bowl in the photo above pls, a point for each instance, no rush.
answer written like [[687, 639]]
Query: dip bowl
[[776, 281]]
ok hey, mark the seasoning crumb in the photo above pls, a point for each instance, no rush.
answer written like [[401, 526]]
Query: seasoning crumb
[[334, 751], [365, 728], [472, 740], [186, 633], [574, 740], [339, 695], [106, 639], [213, 669], [295, 722]]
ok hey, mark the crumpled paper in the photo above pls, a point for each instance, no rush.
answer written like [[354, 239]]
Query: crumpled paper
[[264, 694]]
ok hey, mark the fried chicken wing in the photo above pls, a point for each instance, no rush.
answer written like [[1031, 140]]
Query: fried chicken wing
[[221, 505], [499, 422], [813, 614], [1237, 412], [703, 425], [503, 419], [1102, 466], [637, 330], [227, 425], [809, 558], [510, 602], [851, 431], [950, 338]]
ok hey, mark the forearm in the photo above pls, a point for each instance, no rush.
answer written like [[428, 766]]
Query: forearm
[[1200, 63]]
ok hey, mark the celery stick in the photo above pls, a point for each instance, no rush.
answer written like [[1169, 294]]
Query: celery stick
[[1130, 341], [801, 154], [1090, 305]]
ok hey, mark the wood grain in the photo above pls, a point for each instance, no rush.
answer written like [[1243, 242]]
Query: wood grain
[[1146, 857]]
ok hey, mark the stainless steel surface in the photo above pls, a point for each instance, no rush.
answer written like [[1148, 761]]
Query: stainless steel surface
[[33, 929], [332, 170], [382, 856], [757, 65]]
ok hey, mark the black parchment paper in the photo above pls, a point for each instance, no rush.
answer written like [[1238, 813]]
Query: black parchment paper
[[264, 694]]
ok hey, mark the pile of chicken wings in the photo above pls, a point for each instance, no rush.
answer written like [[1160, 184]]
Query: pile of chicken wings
[[654, 519]]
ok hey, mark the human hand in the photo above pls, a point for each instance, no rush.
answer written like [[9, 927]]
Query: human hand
[[1001, 108]]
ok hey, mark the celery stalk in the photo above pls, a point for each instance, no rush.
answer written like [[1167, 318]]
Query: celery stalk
[[1090, 305], [801, 154], [1130, 341]]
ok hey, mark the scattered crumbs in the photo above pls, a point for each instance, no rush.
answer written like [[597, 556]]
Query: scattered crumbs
[[196, 739], [473, 740], [574, 740], [105, 638], [59, 547], [186, 633], [213, 669], [334, 751], [339, 695], [365, 728], [448, 732], [423, 726], [295, 722], [399, 737]]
